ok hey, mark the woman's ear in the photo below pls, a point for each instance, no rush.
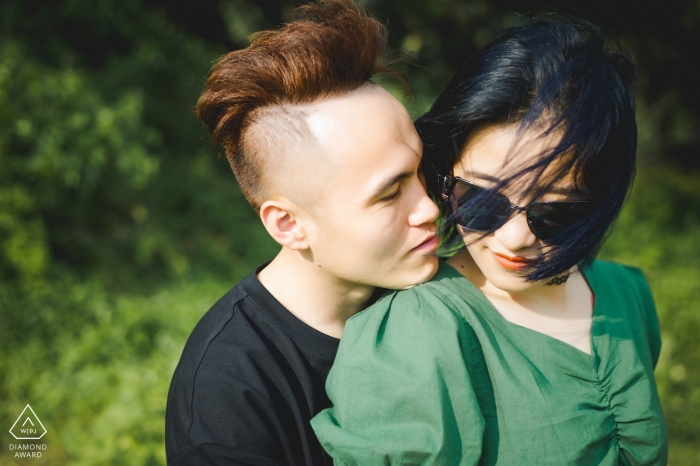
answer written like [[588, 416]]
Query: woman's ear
[[281, 221]]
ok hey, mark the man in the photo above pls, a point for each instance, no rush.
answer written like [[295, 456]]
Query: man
[[330, 162]]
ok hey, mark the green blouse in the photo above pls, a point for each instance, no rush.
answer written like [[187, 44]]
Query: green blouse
[[435, 375]]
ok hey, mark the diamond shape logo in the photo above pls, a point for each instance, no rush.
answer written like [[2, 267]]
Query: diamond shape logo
[[28, 426]]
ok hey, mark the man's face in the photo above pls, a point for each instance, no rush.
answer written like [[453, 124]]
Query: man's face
[[371, 221]]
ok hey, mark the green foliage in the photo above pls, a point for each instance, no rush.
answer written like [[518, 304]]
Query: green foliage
[[119, 226], [59, 140]]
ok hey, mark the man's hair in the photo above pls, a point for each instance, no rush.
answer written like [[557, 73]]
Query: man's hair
[[333, 49]]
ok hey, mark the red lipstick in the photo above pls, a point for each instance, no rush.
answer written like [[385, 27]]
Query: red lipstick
[[511, 262]]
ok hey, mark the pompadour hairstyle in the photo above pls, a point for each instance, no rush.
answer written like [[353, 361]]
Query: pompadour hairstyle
[[333, 49], [562, 71]]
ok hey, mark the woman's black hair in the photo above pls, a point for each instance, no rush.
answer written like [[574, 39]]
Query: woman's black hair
[[565, 74]]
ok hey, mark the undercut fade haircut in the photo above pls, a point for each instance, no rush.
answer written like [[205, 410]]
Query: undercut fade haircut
[[333, 49], [559, 75]]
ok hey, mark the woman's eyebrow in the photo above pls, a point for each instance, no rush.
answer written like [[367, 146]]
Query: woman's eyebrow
[[565, 190], [485, 177]]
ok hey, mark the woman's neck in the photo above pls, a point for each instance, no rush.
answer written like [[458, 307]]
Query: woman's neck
[[561, 311]]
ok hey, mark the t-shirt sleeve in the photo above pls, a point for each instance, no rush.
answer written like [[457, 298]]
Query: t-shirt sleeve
[[649, 314], [218, 455], [401, 387], [225, 420]]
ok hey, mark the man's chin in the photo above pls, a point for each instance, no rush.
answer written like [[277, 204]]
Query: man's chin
[[422, 275]]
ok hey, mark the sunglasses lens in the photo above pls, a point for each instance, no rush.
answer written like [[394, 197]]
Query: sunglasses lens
[[476, 208], [550, 219]]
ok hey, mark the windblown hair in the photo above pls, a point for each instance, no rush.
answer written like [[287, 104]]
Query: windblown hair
[[565, 74], [332, 50]]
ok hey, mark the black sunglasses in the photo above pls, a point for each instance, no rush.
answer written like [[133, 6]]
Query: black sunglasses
[[476, 208]]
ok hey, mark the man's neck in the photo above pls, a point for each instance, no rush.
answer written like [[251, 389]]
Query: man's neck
[[316, 297]]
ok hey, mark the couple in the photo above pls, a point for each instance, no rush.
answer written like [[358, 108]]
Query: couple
[[519, 349]]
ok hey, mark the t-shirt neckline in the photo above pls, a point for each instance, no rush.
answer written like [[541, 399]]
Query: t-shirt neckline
[[301, 332]]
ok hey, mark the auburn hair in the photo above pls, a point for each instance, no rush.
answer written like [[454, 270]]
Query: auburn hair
[[334, 48]]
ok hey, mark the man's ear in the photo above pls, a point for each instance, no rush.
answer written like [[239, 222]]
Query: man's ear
[[282, 223]]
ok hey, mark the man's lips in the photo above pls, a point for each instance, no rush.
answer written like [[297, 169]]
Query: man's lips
[[429, 245], [511, 262]]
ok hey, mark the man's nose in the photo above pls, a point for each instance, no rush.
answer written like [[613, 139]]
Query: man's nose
[[425, 210]]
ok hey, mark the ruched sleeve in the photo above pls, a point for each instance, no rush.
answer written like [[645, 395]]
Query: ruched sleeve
[[402, 387]]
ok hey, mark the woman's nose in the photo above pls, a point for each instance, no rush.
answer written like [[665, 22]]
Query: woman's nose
[[515, 234]]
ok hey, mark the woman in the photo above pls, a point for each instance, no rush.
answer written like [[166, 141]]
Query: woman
[[523, 350]]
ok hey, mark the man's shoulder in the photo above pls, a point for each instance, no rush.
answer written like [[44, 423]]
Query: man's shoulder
[[212, 380], [237, 394], [234, 330], [214, 321]]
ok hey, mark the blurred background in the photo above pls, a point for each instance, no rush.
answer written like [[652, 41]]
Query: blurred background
[[120, 223]]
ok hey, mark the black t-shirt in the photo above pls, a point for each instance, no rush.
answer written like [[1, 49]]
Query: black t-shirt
[[250, 379]]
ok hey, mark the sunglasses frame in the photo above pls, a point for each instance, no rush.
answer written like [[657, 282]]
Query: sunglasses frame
[[449, 183]]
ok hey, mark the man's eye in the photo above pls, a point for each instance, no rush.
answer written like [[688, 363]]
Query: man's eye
[[392, 196]]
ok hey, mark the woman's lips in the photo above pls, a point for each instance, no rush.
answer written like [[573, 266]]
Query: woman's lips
[[511, 262]]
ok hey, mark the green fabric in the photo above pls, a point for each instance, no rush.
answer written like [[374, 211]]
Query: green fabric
[[435, 375]]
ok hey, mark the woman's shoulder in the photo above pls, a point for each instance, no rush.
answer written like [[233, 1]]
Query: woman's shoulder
[[405, 370], [611, 267], [614, 274], [447, 297], [629, 292]]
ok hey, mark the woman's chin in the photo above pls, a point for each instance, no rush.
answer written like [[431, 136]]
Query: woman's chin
[[507, 279], [512, 283]]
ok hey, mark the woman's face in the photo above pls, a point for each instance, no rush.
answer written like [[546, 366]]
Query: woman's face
[[490, 155]]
